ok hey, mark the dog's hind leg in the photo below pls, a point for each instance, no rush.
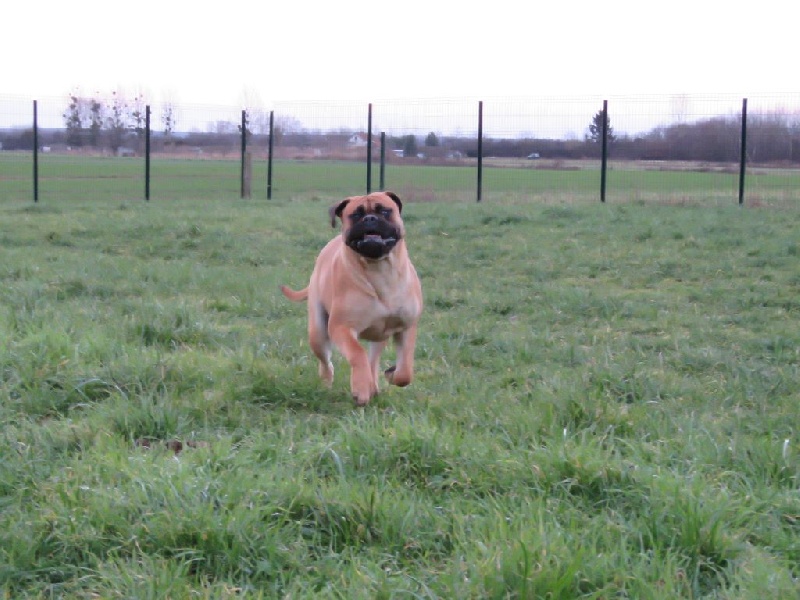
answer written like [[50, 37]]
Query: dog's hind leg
[[323, 354], [320, 342]]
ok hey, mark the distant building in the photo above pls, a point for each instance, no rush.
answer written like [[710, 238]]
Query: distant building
[[357, 140]]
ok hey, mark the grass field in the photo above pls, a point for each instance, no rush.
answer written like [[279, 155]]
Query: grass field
[[70, 178], [605, 406]]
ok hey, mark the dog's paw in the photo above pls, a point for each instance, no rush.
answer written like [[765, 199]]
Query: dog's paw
[[391, 375], [361, 401], [394, 378], [326, 373], [363, 398], [363, 391]]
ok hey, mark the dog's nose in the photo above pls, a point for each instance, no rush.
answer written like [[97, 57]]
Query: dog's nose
[[369, 219]]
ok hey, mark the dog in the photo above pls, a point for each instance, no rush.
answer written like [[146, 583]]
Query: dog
[[364, 286]]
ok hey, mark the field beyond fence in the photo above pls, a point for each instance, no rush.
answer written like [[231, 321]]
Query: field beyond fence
[[682, 149]]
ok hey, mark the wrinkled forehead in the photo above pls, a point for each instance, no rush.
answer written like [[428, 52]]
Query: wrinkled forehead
[[368, 204]]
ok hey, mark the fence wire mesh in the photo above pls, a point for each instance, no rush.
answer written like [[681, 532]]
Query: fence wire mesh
[[667, 149]]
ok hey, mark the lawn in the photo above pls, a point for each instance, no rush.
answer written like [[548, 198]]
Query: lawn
[[76, 178], [605, 406]]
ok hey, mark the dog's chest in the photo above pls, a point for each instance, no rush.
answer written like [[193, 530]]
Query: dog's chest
[[390, 316], [383, 329]]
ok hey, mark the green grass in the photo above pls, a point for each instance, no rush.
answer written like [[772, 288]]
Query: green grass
[[74, 178], [605, 407]]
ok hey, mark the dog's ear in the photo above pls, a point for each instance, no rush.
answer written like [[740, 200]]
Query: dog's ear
[[336, 211], [396, 199]]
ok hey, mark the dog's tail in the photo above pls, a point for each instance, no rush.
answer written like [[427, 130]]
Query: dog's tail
[[295, 296]]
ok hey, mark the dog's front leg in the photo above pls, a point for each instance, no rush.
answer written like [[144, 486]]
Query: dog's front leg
[[402, 373], [362, 381], [375, 349]]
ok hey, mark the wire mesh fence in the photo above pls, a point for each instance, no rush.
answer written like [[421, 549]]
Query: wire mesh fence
[[667, 149]]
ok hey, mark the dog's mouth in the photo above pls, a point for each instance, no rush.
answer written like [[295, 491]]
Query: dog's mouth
[[373, 245], [372, 242]]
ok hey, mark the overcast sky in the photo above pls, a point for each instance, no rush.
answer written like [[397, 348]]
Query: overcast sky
[[236, 53]]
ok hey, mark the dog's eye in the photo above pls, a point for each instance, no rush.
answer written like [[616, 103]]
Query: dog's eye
[[358, 213], [383, 211]]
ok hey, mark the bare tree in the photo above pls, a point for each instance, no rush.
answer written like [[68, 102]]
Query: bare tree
[[168, 119], [74, 118], [117, 122], [259, 121], [138, 116], [96, 110], [257, 116]]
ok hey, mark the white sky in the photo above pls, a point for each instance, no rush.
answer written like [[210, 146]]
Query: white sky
[[232, 52], [272, 53]]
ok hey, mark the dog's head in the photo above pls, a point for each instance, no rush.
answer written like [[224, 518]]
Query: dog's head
[[371, 225]]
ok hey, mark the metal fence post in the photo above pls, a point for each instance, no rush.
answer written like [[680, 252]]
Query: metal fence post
[[147, 153], [383, 160], [369, 148], [244, 149], [269, 155], [743, 152], [604, 159], [480, 148], [35, 151]]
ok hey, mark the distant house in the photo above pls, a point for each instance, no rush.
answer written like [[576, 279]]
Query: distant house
[[123, 151], [357, 140]]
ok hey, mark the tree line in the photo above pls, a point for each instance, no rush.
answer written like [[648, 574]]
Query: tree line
[[93, 121], [116, 121], [770, 138]]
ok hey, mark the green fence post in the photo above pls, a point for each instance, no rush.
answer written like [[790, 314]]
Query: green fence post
[[269, 154], [244, 149], [147, 153], [369, 148], [35, 151], [383, 160], [743, 152], [604, 159], [480, 149]]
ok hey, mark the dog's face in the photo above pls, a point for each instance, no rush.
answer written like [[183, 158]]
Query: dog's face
[[371, 225]]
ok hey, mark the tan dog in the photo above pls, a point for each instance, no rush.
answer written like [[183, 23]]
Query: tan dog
[[364, 287]]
